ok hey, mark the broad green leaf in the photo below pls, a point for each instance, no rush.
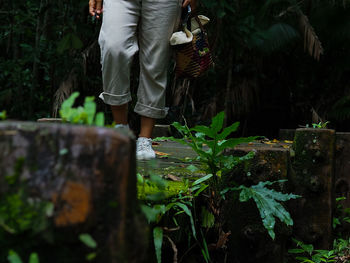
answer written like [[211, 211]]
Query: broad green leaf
[[49, 208], [208, 218], [317, 258], [100, 119], [158, 181], [200, 188], [91, 256], [90, 109], [230, 161], [153, 212], [304, 260], [88, 240], [205, 251], [340, 199], [66, 108], [189, 213], [207, 131], [202, 179], [227, 131], [307, 247], [63, 151], [156, 196], [267, 203], [3, 115], [180, 128], [158, 241], [33, 258], [217, 122], [13, 257], [140, 178]]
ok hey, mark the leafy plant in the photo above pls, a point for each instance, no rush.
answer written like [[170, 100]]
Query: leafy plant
[[3, 115], [88, 241], [311, 255], [21, 216], [267, 201], [210, 143], [81, 115], [341, 248], [216, 139], [159, 203], [342, 215], [320, 125], [13, 257]]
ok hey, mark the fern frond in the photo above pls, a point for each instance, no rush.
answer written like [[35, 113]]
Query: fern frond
[[64, 91], [311, 42]]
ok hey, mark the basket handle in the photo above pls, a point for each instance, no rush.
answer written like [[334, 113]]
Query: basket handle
[[199, 22]]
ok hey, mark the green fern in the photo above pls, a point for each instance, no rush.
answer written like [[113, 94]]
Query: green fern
[[268, 203]]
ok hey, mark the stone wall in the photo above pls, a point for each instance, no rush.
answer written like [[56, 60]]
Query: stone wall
[[88, 174]]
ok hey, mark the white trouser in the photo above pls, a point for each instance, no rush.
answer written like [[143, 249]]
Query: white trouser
[[119, 40]]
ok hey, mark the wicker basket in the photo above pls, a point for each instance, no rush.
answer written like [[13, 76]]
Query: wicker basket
[[194, 58]]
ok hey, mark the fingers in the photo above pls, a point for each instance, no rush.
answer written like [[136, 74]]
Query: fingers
[[98, 7], [95, 8], [92, 5]]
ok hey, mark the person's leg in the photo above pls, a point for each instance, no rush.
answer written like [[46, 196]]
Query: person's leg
[[147, 125], [120, 114], [159, 18], [118, 44]]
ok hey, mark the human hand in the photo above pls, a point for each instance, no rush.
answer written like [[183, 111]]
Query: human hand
[[192, 3], [95, 8]]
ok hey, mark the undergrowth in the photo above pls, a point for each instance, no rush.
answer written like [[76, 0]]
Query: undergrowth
[[200, 200]]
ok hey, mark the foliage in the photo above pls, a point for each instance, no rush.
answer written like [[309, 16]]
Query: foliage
[[342, 215], [311, 255], [158, 240], [341, 248], [3, 115], [46, 47], [267, 201], [157, 205], [88, 241], [20, 214], [81, 115], [13, 257], [320, 125], [210, 151], [26, 224], [261, 69], [210, 143]]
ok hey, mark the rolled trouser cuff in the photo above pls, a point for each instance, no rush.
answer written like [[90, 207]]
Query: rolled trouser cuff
[[151, 112], [115, 100]]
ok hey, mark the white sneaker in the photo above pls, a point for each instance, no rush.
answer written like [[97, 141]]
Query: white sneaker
[[144, 149], [122, 126]]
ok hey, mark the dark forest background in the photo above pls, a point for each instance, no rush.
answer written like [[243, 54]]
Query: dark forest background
[[278, 63]]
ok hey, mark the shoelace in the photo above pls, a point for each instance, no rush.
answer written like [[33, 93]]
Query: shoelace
[[144, 145]]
